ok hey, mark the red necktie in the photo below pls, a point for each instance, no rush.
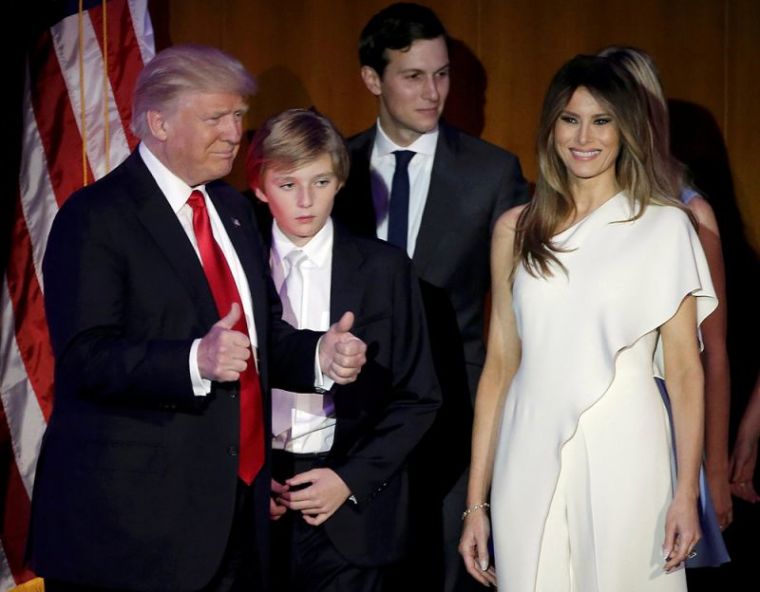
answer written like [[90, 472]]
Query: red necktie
[[225, 292]]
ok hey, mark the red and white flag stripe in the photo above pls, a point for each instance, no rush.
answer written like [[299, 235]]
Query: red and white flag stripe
[[79, 79]]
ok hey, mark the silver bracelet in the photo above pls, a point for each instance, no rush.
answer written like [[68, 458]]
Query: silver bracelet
[[473, 508]]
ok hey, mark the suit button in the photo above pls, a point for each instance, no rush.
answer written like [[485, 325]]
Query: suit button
[[233, 395], [232, 450]]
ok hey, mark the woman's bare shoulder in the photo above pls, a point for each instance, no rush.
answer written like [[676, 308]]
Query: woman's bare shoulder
[[506, 225]]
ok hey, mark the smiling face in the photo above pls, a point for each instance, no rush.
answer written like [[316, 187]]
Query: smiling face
[[412, 90], [587, 139], [301, 199], [198, 139]]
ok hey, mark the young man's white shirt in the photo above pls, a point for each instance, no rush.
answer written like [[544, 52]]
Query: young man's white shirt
[[304, 422], [382, 167]]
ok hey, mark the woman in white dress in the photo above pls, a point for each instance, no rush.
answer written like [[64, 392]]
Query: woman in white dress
[[599, 284]]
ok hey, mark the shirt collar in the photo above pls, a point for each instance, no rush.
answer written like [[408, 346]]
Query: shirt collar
[[425, 144], [174, 189], [317, 250]]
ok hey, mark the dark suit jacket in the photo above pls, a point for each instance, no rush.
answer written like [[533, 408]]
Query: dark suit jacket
[[382, 416], [472, 183], [136, 480]]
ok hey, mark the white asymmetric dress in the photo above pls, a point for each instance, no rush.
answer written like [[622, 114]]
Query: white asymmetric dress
[[583, 470]]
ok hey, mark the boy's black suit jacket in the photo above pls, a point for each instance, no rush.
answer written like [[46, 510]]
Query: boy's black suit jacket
[[382, 416]]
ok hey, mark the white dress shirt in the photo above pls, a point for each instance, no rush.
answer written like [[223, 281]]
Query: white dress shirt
[[304, 422], [382, 166], [177, 193]]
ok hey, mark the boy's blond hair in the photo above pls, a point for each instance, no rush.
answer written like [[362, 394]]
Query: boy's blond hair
[[292, 139]]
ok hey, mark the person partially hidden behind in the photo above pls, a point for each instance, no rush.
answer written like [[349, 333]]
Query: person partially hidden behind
[[167, 331], [339, 459]]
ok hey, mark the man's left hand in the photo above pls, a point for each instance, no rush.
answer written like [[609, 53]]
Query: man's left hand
[[341, 355]]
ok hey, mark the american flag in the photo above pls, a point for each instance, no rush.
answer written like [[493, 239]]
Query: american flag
[[79, 76]]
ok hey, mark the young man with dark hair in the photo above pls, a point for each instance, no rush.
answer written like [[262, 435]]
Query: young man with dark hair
[[435, 192]]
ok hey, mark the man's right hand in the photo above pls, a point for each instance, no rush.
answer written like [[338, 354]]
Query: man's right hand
[[276, 508], [223, 353]]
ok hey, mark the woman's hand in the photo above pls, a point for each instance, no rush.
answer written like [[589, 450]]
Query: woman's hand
[[681, 531], [473, 547], [743, 463], [720, 492]]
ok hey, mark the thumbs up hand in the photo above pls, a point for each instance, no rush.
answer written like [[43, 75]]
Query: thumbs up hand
[[232, 317], [341, 355], [223, 352]]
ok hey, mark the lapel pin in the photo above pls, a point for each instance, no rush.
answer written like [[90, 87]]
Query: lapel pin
[[236, 222]]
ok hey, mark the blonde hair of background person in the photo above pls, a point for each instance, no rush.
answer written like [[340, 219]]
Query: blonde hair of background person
[[714, 355]]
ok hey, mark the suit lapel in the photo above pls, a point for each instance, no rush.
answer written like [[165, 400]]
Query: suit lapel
[[345, 290], [355, 203], [161, 223], [362, 150], [240, 232], [442, 212]]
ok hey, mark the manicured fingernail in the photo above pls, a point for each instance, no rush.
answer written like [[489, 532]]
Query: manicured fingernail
[[483, 564]]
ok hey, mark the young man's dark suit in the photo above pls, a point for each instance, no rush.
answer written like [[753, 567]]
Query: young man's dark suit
[[385, 413], [137, 477], [471, 184]]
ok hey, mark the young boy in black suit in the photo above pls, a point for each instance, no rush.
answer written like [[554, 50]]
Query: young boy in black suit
[[339, 494]]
